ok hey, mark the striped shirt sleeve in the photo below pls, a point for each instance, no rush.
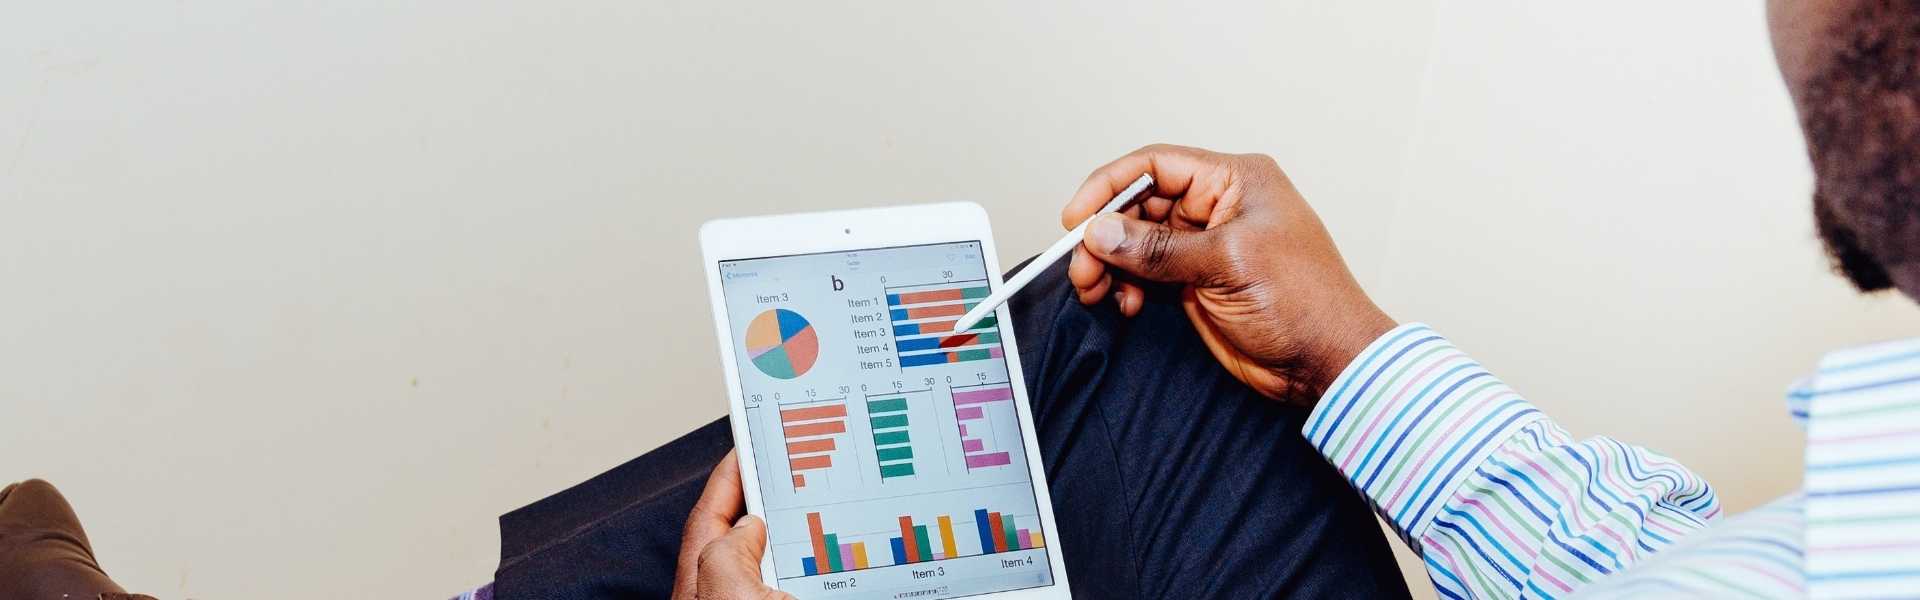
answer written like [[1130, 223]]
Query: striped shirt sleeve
[[1497, 499]]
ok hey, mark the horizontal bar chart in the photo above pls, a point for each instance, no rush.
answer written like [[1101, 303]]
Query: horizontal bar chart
[[923, 317], [892, 437], [970, 406], [812, 431]]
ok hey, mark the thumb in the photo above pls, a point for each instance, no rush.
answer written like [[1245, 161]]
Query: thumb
[[1151, 250], [730, 566]]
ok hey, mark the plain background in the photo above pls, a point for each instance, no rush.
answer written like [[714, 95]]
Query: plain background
[[297, 297]]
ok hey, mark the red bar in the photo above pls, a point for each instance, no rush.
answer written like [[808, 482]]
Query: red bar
[[944, 310], [805, 446], [807, 429], [799, 481], [999, 532], [958, 340], [906, 539], [819, 541], [933, 296], [818, 461], [811, 413]]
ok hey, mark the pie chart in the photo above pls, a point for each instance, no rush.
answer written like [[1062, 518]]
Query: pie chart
[[782, 344]]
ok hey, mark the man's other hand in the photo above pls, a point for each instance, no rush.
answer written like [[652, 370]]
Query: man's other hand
[[720, 551], [1261, 278]]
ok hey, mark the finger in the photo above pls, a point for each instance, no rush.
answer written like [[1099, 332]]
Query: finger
[[1157, 208], [1153, 251], [1098, 292], [730, 566], [1083, 270], [720, 504], [1173, 169], [1131, 298]]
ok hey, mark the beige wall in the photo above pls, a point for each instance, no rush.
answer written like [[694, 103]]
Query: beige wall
[[305, 295]]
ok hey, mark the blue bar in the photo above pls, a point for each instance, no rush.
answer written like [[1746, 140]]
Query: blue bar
[[986, 530], [893, 299], [899, 552], [806, 564], [919, 344], [900, 330], [899, 314], [937, 358]]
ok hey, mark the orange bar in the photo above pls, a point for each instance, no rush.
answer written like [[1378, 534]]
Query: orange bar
[[860, 555], [816, 412], [807, 429], [999, 532], [946, 536], [799, 481], [936, 326], [818, 461], [933, 296], [819, 541], [805, 446], [906, 538], [1038, 541], [945, 310]]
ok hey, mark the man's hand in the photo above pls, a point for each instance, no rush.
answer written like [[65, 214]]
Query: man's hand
[[1262, 280], [720, 551]]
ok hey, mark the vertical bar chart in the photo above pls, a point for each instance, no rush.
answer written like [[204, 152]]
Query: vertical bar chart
[[1000, 533], [892, 438], [830, 555], [812, 431], [923, 318], [970, 411]]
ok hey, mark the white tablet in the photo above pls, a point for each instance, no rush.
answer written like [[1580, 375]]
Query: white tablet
[[891, 456]]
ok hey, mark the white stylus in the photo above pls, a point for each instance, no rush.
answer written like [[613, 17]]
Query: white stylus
[[1053, 253]]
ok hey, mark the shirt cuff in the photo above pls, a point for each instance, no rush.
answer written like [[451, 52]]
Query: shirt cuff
[[1410, 419]]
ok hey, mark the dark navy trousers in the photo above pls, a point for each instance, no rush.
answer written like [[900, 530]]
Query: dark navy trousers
[[1170, 479]]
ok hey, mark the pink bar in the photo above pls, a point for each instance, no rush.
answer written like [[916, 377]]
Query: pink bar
[[968, 413], [1026, 539], [846, 553], [971, 445], [963, 429], [995, 352], [988, 460], [993, 394]]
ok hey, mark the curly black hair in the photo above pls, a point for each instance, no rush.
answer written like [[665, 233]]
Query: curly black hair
[[1861, 111]]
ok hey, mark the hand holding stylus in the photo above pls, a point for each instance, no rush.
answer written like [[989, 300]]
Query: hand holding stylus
[[1261, 279]]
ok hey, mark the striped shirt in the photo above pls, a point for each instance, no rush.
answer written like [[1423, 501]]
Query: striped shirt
[[1499, 501]]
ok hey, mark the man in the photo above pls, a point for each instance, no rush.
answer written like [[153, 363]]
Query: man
[[1498, 500]]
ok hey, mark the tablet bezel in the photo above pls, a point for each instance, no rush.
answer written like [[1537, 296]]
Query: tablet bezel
[[855, 230]]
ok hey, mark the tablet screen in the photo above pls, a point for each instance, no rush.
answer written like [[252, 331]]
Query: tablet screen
[[889, 455]]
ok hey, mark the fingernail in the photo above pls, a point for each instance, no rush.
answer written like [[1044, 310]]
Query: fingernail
[[1106, 233], [742, 521]]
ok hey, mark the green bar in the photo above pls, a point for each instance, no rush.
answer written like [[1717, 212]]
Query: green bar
[[833, 553], [887, 405], [894, 453], [1013, 533], [990, 337], [896, 470], [890, 438], [889, 421], [971, 293], [966, 355], [920, 540]]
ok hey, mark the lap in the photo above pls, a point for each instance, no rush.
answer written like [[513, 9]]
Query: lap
[[1169, 479]]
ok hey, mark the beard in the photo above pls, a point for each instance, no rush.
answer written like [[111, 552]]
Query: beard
[[1861, 113]]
